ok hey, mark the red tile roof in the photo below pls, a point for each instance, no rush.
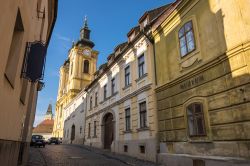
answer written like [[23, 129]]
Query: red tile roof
[[45, 126]]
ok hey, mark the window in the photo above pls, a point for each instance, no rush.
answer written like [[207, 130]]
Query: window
[[142, 148], [125, 148], [86, 66], [141, 66], [127, 119], [89, 130], [71, 68], [196, 123], [94, 128], [127, 75], [96, 98], [143, 116], [15, 50], [61, 109], [198, 162], [186, 39], [80, 129], [113, 86], [105, 92], [90, 103]]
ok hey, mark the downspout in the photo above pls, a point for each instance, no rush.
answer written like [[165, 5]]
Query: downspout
[[151, 40], [84, 129]]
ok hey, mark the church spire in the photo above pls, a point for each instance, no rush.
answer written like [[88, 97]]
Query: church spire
[[85, 22], [49, 114], [85, 35], [85, 32]]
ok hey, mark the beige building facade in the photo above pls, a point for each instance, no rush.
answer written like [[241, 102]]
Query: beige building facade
[[202, 70], [75, 74], [25, 26], [121, 109]]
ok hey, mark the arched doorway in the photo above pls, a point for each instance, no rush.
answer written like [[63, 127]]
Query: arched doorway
[[72, 133], [108, 130]]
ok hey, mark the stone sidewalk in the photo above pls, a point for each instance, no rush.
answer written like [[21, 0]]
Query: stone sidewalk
[[120, 157], [73, 155]]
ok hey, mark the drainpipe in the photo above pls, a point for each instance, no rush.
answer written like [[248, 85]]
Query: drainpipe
[[151, 40], [85, 116]]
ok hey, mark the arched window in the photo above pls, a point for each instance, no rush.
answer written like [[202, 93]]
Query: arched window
[[186, 39], [72, 133], [86, 66], [196, 122]]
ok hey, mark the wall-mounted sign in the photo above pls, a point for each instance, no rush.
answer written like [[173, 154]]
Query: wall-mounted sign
[[192, 82], [33, 66]]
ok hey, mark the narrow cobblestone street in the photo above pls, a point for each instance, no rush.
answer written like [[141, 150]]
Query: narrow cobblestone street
[[74, 155]]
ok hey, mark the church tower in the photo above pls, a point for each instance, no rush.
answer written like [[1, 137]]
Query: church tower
[[76, 73], [49, 114]]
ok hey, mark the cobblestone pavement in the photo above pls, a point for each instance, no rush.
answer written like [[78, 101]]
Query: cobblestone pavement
[[79, 155]]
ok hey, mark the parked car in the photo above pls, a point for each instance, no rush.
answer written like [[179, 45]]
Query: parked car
[[37, 140], [54, 140], [60, 140]]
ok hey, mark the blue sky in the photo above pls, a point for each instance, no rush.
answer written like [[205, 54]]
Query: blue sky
[[109, 21]]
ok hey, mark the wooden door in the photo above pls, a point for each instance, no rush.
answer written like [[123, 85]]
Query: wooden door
[[108, 131]]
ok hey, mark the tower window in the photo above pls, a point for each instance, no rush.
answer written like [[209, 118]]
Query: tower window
[[196, 123], [86, 66], [71, 68]]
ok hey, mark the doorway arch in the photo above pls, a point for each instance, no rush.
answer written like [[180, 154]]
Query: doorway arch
[[72, 138], [108, 124]]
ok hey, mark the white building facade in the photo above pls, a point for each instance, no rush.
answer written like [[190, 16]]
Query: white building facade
[[74, 122]]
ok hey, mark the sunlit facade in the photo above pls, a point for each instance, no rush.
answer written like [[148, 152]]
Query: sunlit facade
[[202, 71], [25, 26]]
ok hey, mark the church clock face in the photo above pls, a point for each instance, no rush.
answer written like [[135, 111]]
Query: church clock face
[[86, 52]]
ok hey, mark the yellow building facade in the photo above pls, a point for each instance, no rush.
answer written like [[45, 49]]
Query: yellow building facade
[[76, 73], [24, 24], [202, 68]]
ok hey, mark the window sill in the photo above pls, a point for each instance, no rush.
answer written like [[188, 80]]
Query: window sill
[[95, 136], [8, 80], [143, 129], [107, 98], [127, 131], [22, 102], [140, 78], [115, 93], [126, 87], [200, 141]]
